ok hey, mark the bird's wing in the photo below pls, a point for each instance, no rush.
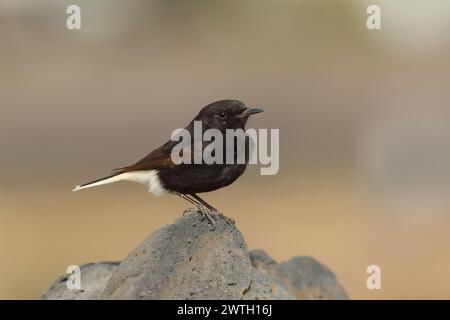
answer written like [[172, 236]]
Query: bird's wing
[[157, 159], [161, 157]]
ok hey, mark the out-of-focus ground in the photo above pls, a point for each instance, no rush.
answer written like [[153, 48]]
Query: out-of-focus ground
[[364, 123]]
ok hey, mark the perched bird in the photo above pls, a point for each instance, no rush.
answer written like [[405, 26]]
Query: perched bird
[[161, 175]]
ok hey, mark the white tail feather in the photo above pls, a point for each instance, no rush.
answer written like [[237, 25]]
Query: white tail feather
[[148, 178], [109, 180]]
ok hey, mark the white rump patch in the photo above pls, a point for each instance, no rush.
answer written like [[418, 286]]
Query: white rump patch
[[155, 186]]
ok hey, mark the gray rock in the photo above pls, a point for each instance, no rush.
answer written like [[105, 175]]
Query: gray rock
[[188, 260], [185, 260], [94, 277], [301, 277], [261, 287]]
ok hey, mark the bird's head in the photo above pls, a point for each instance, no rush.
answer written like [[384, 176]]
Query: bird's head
[[226, 114]]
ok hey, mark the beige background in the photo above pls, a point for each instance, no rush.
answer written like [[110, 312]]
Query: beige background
[[364, 121]]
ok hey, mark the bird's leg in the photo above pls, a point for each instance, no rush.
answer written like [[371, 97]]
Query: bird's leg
[[210, 214], [187, 198], [204, 210], [206, 204]]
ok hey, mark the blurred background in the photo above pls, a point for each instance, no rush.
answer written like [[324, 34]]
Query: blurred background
[[364, 123]]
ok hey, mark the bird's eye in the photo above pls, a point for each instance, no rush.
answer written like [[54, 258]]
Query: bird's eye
[[222, 115]]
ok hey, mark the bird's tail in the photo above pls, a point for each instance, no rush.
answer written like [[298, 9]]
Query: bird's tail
[[105, 180]]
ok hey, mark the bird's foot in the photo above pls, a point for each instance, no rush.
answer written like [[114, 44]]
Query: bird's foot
[[209, 215]]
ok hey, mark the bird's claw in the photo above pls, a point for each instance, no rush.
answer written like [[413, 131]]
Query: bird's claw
[[209, 215]]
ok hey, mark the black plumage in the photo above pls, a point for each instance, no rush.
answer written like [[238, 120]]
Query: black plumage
[[186, 180]]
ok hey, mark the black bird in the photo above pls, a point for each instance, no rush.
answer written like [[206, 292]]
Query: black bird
[[161, 175]]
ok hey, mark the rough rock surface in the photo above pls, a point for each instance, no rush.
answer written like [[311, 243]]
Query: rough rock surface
[[301, 277], [94, 277], [186, 260]]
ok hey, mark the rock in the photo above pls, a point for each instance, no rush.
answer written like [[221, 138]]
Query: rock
[[301, 277], [185, 260], [188, 260], [94, 277], [261, 287]]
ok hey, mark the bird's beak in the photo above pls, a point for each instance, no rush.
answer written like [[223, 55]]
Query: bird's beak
[[249, 112]]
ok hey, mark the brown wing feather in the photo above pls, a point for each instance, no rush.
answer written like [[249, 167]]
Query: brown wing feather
[[160, 158], [157, 159]]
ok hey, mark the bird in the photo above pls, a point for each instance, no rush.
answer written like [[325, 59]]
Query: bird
[[162, 176]]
